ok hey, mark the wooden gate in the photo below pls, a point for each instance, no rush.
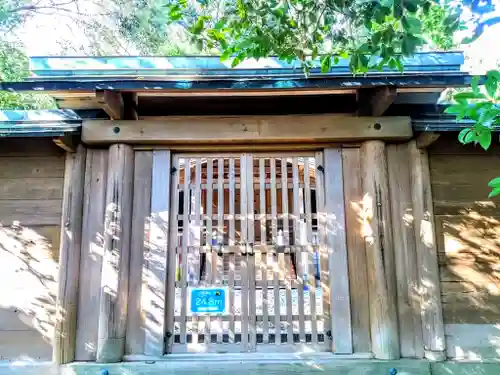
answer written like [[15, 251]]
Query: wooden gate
[[251, 223]]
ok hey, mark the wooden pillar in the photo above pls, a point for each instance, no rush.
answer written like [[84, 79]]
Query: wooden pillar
[[337, 252], [379, 251], [428, 271], [405, 253], [69, 257], [115, 265]]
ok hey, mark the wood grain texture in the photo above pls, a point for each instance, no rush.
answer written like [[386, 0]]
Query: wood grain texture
[[472, 341], [410, 324], [69, 258], [337, 252], [49, 188], [29, 212], [116, 257], [430, 291], [32, 167], [156, 260], [136, 328], [96, 170], [379, 251], [358, 283], [191, 129]]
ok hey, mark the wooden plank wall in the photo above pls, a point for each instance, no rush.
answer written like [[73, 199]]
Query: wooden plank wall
[[31, 186], [468, 238]]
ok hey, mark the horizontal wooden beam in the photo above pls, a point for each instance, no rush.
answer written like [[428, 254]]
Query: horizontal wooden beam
[[247, 129]]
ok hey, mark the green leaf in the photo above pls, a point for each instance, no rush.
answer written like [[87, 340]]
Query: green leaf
[[469, 95], [491, 84], [495, 182], [411, 24], [463, 134], [454, 109], [326, 63], [485, 139], [494, 192], [475, 84]]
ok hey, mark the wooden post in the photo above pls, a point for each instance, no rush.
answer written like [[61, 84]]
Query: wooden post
[[69, 258], [379, 251], [337, 252], [430, 291], [115, 265], [405, 254]]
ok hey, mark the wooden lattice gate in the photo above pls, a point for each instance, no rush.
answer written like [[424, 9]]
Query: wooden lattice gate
[[251, 223]]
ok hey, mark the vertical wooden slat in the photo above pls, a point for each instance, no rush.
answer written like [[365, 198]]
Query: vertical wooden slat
[[358, 282], [286, 234], [136, 322], [220, 222], [172, 255], [196, 235], [91, 254], [264, 257], [276, 273], [337, 252], [155, 263], [410, 324], [210, 239], [297, 206], [251, 258], [69, 257], [323, 250], [232, 241], [244, 241], [379, 251], [115, 266], [185, 242], [311, 250], [429, 285]]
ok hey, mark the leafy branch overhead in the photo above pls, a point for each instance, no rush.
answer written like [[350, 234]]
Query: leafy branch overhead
[[372, 33], [482, 107]]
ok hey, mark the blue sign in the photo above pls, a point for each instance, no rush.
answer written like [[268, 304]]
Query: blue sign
[[208, 301]]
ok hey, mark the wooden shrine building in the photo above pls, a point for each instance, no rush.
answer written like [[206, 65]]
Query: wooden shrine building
[[176, 215]]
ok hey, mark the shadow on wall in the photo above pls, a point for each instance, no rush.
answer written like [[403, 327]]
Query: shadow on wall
[[28, 279], [469, 260]]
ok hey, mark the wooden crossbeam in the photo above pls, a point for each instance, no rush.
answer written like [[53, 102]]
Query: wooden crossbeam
[[375, 101], [246, 129], [118, 105], [424, 140]]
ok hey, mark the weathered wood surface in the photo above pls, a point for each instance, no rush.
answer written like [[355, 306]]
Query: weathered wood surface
[[138, 278], [155, 260], [31, 183], [475, 342], [116, 256], [96, 170], [30, 212], [22, 166], [430, 291], [358, 283], [31, 172], [379, 251], [253, 129], [69, 258], [405, 256], [467, 226], [306, 365], [31, 188], [337, 252]]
